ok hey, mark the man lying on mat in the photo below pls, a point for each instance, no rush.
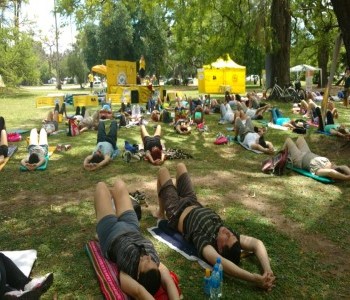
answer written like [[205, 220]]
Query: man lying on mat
[[205, 229], [118, 230]]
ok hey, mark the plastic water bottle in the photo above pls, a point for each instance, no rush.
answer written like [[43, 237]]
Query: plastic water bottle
[[207, 282], [221, 272], [215, 283]]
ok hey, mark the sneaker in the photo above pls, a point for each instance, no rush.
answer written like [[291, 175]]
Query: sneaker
[[39, 284], [24, 295], [127, 156]]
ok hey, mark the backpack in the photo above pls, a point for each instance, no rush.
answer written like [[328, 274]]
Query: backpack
[[277, 164], [300, 126], [73, 128]]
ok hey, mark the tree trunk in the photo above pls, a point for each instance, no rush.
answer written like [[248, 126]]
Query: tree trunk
[[281, 39], [322, 59], [342, 11]]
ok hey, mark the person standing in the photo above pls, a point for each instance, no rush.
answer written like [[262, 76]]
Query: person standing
[[91, 81], [142, 67]]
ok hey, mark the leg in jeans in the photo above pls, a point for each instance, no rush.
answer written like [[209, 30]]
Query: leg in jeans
[[101, 132], [112, 135], [222, 110], [274, 115], [83, 109], [11, 275]]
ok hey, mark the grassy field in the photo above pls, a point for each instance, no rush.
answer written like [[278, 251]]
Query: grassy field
[[303, 223]]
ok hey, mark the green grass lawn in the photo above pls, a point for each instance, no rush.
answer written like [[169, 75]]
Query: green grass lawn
[[303, 223]]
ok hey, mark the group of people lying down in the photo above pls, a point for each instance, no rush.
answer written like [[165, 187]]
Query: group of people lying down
[[141, 272]]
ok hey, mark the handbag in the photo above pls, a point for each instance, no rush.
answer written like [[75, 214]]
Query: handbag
[[277, 164]]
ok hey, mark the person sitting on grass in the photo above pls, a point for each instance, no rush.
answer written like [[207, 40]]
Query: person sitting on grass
[[121, 241], [106, 148], [4, 149], [38, 150], [153, 146], [206, 230], [252, 136], [302, 157], [16, 285]]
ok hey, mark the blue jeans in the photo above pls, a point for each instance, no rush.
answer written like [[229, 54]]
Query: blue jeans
[[111, 137]]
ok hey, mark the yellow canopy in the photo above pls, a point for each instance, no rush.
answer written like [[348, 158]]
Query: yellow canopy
[[101, 69], [221, 63]]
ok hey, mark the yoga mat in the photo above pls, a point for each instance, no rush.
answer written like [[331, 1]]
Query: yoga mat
[[176, 241], [309, 174], [11, 150]]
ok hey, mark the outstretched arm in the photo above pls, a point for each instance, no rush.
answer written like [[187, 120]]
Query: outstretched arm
[[334, 174], [132, 288], [168, 283], [264, 281]]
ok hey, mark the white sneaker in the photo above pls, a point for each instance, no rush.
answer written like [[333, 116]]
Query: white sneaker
[[40, 284], [28, 295]]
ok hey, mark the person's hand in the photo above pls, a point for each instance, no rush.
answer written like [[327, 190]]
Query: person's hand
[[30, 167], [266, 281]]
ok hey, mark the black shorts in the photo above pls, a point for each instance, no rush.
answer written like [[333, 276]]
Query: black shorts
[[4, 150], [152, 141]]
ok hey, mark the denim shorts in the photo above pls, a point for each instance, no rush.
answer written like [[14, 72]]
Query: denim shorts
[[111, 226]]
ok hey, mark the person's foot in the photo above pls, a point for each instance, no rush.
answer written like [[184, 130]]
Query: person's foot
[[40, 284], [24, 295]]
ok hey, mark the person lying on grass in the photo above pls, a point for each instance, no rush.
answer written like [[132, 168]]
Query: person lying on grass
[[118, 230], [252, 136], [206, 230], [106, 147], [302, 157], [153, 146], [37, 149], [14, 284]]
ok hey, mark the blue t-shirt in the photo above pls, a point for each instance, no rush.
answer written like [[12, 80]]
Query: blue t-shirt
[[106, 148]]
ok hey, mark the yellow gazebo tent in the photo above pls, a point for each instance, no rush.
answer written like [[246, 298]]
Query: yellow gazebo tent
[[220, 76]]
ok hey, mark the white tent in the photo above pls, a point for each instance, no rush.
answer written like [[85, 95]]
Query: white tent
[[303, 68]]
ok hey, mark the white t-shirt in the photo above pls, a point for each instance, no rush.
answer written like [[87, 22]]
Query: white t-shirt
[[250, 139]]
